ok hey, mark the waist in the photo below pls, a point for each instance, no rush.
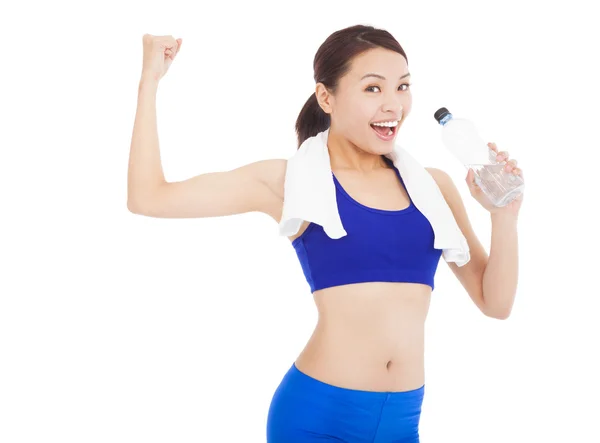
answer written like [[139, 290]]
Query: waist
[[369, 336], [353, 365]]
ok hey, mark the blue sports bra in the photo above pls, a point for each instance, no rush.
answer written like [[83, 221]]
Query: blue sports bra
[[380, 245]]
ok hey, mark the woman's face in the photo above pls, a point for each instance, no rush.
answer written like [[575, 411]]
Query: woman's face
[[376, 89]]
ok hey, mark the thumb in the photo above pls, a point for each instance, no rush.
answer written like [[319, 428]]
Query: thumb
[[470, 179]]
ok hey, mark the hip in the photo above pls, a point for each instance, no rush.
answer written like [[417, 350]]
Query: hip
[[305, 409], [352, 370], [370, 359]]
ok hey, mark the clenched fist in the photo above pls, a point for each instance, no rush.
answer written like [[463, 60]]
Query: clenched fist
[[159, 53]]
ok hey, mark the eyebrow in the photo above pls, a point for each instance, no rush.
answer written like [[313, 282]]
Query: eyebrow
[[371, 74]]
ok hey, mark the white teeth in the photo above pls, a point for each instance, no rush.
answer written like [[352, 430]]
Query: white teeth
[[386, 124]]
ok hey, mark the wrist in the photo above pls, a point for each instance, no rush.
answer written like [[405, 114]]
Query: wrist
[[503, 216], [148, 81]]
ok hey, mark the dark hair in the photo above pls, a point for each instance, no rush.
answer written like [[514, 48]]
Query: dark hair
[[332, 61]]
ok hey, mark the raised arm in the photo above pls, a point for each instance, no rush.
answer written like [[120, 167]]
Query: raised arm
[[256, 186]]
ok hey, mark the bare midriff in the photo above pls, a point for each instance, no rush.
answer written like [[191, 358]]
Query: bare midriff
[[369, 336]]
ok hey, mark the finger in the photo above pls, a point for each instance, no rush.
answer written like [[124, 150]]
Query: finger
[[168, 41], [493, 146], [470, 176], [471, 181], [510, 165], [171, 46], [502, 156], [175, 48]]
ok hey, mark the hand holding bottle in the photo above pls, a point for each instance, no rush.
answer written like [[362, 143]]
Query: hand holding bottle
[[493, 178], [510, 167]]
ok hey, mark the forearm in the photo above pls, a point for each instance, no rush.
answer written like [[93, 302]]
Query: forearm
[[501, 273], [145, 170]]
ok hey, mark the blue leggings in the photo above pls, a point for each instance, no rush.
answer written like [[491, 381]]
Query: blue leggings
[[304, 409]]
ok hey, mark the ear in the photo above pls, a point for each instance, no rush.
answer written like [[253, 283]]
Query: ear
[[324, 97]]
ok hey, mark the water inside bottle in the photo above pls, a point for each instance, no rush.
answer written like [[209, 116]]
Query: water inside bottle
[[499, 186]]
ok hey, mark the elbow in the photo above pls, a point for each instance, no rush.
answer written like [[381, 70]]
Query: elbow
[[135, 207], [138, 204], [144, 203], [498, 314], [498, 306], [502, 316], [132, 207], [145, 208]]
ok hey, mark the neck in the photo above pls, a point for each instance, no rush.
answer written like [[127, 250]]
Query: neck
[[345, 155]]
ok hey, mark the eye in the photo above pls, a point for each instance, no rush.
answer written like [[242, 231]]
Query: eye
[[403, 84]]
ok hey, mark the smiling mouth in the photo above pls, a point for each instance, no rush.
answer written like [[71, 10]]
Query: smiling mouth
[[385, 131]]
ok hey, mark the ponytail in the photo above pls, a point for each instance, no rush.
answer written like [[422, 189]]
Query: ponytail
[[311, 120]]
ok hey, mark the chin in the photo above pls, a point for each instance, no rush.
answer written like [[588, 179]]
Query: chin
[[378, 146], [369, 143]]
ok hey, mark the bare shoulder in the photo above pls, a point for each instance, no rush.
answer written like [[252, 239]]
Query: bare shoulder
[[440, 176], [449, 191], [445, 183]]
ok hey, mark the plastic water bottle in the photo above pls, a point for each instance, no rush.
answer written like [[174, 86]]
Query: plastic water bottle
[[461, 137]]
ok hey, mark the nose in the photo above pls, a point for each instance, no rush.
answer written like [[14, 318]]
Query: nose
[[393, 104]]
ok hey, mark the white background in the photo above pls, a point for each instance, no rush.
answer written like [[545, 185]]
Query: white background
[[116, 327]]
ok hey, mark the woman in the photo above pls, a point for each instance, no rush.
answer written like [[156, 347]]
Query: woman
[[360, 377]]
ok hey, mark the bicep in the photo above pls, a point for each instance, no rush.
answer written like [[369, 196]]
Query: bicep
[[245, 189]]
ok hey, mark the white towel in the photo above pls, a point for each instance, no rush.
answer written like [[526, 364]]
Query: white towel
[[309, 194]]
